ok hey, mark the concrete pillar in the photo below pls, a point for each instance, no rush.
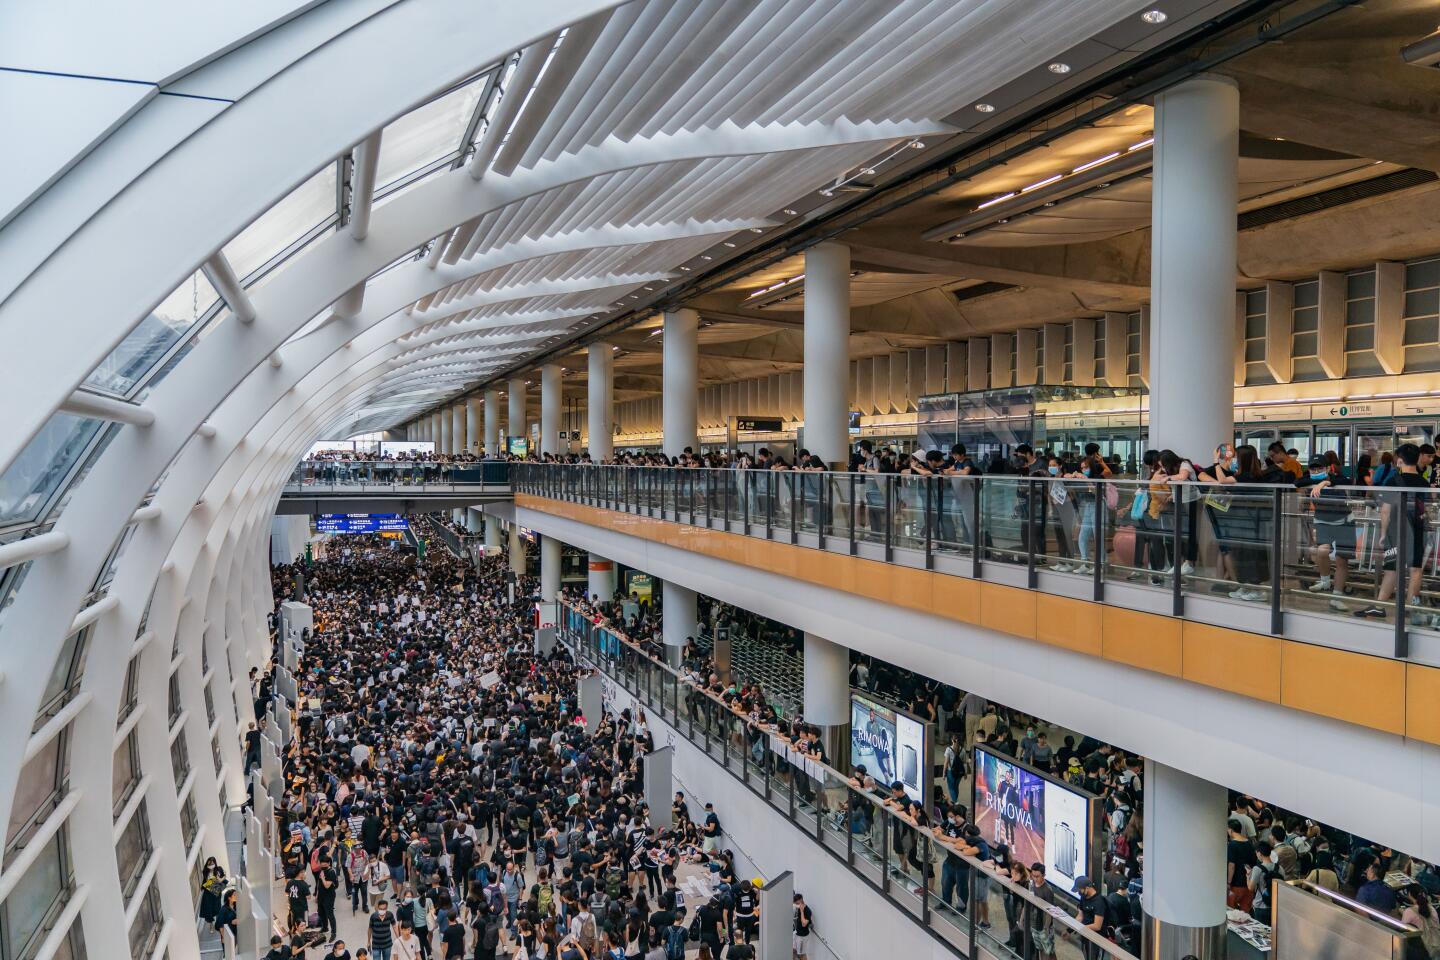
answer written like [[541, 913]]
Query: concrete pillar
[[516, 551], [515, 423], [681, 371], [827, 682], [457, 428], [492, 423], [827, 693], [472, 425], [660, 787], [678, 620], [474, 520], [1184, 895], [492, 532], [602, 578], [600, 405], [549, 569], [1192, 265], [550, 409], [435, 435], [827, 351], [447, 432]]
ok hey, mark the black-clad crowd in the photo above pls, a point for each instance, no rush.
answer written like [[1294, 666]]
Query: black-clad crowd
[[443, 783]]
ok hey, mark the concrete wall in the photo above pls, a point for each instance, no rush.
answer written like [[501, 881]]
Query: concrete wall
[[288, 535]]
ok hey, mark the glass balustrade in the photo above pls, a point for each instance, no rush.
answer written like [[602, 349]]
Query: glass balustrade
[[1243, 555], [918, 870]]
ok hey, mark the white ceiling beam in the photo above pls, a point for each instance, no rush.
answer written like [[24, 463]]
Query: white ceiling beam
[[222, 277]]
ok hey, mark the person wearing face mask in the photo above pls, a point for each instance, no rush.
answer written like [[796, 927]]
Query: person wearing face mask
[[1334, 533], [382, 931], [1217, 504]]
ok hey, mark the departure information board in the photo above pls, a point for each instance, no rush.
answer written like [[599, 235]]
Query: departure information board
[[361, 523]]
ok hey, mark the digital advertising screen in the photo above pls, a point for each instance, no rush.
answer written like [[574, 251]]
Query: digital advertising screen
[[1037, 817], [361, 523], [891, 745], [397, 448]]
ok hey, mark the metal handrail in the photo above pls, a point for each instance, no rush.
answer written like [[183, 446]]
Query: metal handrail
[[583, 646], [1010, 519]]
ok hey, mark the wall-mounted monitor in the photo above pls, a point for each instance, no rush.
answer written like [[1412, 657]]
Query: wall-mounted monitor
[[1041, 819], [891, 745]]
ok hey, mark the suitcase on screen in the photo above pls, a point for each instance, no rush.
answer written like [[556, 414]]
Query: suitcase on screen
[[1065, 852]]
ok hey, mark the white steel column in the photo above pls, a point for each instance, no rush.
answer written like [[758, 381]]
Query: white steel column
[[492, 423], [457, 428], [600, 405], [474, 520], [549, 569], [680, 378], [827, 351], [492, 532], [550, 409], [1184, 895], [472, 425], [679, 615], [602, 578], [1192, 266], [447, 432], [515, 425], [436, 437]]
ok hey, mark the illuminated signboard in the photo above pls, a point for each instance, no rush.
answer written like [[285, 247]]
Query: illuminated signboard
[[361, 523]]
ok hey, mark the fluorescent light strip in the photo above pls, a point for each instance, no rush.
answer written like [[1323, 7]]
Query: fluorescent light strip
[[992, 202], [1042, 183], [1096, 162], [1141, 145]]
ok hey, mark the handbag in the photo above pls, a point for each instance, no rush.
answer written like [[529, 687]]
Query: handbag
[[1140, 505]]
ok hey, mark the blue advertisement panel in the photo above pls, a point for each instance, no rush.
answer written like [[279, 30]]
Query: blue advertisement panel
[[361, 523]]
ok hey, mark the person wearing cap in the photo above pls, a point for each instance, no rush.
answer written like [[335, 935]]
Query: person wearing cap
[[1094, 912]]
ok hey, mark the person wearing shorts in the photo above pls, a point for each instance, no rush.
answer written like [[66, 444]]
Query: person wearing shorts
[[1334, 533], [804, 926]]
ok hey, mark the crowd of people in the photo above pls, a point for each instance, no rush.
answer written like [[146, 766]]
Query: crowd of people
[[444, 784], [1350, 524], [1110, 908], [1265, 843]]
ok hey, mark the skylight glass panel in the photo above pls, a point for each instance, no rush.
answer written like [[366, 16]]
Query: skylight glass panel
[[147, 345], [427, 136], [30, 483], [306, 211]]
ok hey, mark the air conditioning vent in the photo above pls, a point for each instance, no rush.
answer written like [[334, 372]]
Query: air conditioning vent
[[1338, 197]]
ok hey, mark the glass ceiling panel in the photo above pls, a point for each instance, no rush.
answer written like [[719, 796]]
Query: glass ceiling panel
[[146, 345], [38, 473], [307, 209], [427, 135]]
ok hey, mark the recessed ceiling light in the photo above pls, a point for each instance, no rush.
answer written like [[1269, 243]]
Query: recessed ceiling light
[[1154, 16], [917, 144], [706, 256], [727, 243], [788, 212], [1003, 220], [827, 192], [686, 269], [985, 107], [1058, 67], [868, 171], [756, 230]]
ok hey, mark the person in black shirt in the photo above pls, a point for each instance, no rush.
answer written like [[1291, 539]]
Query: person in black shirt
[[1407, 460], [297, 892], [1094, 912], [712, 925], [326, 886]]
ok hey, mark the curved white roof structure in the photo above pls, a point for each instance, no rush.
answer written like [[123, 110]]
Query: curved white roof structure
[[229, 233]]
